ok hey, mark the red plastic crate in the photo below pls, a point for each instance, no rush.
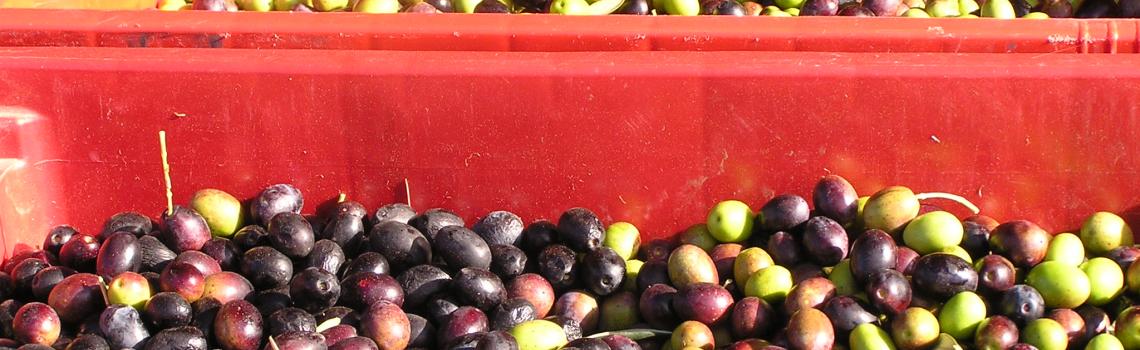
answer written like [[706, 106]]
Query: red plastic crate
[[654, 138], [460, 32]]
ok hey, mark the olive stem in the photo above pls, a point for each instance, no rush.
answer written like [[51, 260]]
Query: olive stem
[[949, 196], [329, 323], [103, 290], [166, 173], [407, 192], [635, 334], [340, 198]]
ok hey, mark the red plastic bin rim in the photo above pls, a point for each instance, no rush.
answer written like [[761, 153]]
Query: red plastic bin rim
[[486, 32]]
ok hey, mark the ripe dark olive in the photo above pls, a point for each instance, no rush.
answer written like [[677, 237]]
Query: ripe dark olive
[[440, 306], [77, 297], [119, 253], [889, 291], [367, 262], [634, 7], [402, 245], [23, 274], [466, 341], [430, 221], [251, 236], [729, 8], [855, 11], [996, 332], [495, 340], [300, 341], [205, 313], [464, 321], [512, 312], [224, 251], [276, 199], [784, 249], [580, 229], [204, 263], [128, 221], [571, 327], [154, 255], [366, 288], [326, 255], [706, 303], [588, 344], [57, 237], [20, 257], [534, 289], [1096, 321], [46, 280], [1022, 304], [421, 282], [846, 313], [995, 275], [1023, 242], [423, 332], [269, 301], [651, 273], [461, 248], [399, 212], [976, 238], [835, 198], [785, 212], [291, 234], [656, 306], [184, 279], [8, 309], [752, 316], [183, 230], [238, 325], [265, 267], [90, 341], [79, 253], [942, 275], [500, 227], [602, 271], [820, 8], [825, 240], [167, 310], [1072, 322], [538, 235], [558, 264], [478, 288], [123, 327], [290, 319], [353, 208], [655, 250], [342, 229], [1124, 256], [507, 261], [314, 289], [872, 252], [905, 262], [1098, 9]]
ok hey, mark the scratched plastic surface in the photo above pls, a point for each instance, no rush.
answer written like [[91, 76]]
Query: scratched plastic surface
[[457, 32], [654, 138]]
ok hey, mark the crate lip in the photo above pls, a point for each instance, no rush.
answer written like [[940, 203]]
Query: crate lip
[[559, 64], [543, 32]]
